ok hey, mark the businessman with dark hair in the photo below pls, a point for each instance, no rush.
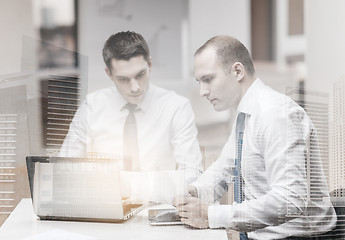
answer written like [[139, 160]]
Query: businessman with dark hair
[[152, 128]]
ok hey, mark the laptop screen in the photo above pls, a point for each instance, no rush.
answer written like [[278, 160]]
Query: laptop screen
[[78, 188]]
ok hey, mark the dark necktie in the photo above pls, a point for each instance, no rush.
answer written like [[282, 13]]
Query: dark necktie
[[130, 141], [239, 182]]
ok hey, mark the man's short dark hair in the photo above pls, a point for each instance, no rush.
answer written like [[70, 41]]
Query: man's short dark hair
[[230, 50], [123, 46]]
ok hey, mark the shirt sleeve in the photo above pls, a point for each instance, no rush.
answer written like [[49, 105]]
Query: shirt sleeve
[[185, 144], [74, 145], [213, 183], [219, 215]]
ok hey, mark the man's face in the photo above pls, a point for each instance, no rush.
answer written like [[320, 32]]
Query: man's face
[[131, 77], [220, 88]]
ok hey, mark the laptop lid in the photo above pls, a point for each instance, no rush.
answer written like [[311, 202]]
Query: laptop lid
[[82, 189], [30, 167]]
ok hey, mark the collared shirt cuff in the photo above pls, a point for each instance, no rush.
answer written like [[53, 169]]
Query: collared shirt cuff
[[219, 216]]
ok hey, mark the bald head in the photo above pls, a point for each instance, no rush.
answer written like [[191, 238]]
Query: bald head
[[229, 50]]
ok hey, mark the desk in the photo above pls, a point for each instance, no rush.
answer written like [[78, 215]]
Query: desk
[[23, 223]]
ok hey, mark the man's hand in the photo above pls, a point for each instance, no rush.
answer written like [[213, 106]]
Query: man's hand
[[192, 211]]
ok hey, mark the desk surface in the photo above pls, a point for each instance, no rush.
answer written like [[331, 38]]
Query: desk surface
[[22, 223]]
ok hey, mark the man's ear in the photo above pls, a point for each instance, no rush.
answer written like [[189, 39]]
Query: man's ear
[[108, 72], [238, 70]]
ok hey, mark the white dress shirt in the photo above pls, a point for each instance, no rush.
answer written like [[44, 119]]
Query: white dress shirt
[[165, 129], [275, 148]]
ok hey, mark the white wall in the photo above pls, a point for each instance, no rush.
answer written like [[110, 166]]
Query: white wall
[[326, 43], [216, 17], [15, 21]]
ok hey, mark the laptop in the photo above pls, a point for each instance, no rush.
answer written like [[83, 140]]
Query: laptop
[[77, 189]]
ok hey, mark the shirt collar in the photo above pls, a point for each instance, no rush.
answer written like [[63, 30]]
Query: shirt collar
[[120, 100], [248, 103], [143, 106]]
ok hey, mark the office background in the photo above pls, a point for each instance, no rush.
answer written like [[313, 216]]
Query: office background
[[297, 46]]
